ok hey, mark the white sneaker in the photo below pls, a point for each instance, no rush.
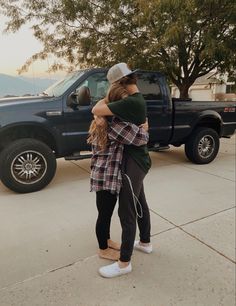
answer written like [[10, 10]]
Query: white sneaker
[[114, 270], [145, 249]]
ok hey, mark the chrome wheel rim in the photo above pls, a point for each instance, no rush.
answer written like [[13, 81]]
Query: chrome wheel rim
[[29, 167], [206, 146]]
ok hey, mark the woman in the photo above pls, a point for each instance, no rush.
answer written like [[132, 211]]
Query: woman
[[108, 139], [135, 165]]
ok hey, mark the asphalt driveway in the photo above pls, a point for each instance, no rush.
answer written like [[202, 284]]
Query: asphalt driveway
[[48, 246]]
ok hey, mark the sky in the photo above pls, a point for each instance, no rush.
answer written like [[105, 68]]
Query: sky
[[16, 48]]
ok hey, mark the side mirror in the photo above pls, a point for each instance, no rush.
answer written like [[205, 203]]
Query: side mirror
[[80, 98], [83, 96], [72, 100]]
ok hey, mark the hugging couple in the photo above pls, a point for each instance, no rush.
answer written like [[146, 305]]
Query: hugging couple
[[120, 161]]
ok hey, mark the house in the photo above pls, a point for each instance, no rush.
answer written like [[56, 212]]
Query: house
[[210, 87]]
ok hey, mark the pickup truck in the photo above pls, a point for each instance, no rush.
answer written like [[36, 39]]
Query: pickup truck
[[36, 130]]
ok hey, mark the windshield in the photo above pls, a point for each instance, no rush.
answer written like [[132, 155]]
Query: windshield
[[61, 86]]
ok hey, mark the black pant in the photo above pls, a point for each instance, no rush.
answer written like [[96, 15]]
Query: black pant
[[105, 204], [127, 212]]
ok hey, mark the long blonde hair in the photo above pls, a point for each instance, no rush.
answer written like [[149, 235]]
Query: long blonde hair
[[98, 134]]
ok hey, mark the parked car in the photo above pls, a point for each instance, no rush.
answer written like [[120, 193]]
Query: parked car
[[36, 130]]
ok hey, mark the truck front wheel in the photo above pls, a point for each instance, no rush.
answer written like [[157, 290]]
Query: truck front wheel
[[203, 145], [27, 165]]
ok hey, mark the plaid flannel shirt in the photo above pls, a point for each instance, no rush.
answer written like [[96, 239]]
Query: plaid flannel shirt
[[106, 164]]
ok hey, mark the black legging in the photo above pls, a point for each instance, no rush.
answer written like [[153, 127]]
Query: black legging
[[106, 202]]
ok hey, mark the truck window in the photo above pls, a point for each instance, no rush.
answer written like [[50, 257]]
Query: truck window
[[98, 86], [58, 88], [149, 86]]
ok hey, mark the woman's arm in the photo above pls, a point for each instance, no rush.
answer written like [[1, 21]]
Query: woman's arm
[[145, 125], [127, 133]]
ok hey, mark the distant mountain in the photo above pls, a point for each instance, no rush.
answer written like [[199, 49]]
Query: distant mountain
[[18, 86]]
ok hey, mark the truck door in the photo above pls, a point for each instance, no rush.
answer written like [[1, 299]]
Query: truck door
[[78, 119], [153, 86]]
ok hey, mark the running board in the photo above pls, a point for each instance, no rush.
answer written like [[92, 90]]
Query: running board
[[159, 148], [78, 156]]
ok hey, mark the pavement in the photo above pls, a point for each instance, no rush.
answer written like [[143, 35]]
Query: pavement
[[48, 249]]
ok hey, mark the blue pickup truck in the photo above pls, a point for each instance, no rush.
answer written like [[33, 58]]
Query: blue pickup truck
[[36, 130]]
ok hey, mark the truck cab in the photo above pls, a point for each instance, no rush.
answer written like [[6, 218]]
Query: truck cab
[[92, 86]]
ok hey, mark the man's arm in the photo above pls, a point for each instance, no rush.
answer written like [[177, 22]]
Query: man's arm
[[101, 108], [127, 133]]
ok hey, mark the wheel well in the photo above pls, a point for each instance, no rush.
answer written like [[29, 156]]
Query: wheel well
[[27, 131], [212, 123]]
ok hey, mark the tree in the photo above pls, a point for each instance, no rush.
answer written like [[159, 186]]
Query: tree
[[184, 39]]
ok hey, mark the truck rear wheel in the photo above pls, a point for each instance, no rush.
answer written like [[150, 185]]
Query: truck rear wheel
[[27, 165], [202, 146]]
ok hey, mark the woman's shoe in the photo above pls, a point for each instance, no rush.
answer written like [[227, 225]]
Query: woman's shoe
[[109, 254], [114, 270], [143, 248]]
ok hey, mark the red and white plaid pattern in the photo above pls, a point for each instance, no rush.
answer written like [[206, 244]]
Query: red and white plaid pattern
[[106, 164]]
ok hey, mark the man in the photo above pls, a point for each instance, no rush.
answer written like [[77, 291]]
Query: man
[[135, 165]]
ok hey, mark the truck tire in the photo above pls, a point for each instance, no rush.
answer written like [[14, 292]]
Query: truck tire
[[27, 165], [203, 145]]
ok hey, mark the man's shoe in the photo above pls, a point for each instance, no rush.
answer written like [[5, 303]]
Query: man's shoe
[[143, 248], [114, 270]]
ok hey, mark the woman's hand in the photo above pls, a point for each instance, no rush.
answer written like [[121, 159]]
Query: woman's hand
[[145, 125], [100, 121]]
